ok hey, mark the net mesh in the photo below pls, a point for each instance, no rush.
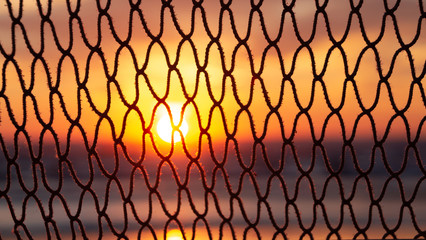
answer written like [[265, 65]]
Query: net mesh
[[305, 119]]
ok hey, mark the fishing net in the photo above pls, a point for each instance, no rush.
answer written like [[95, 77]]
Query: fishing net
[[303, 119]]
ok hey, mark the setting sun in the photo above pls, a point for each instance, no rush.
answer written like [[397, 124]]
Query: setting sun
[[165, 129], [174, 234]]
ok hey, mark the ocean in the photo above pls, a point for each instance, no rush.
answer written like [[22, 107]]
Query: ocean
[[242, 199]]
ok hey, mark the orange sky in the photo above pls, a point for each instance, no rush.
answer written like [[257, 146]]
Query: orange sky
[[155, 71]]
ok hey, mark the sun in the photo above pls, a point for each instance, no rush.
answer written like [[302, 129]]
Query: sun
[[174, 234], [165, 129]]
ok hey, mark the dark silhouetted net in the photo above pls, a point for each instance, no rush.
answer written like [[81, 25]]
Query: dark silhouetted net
[[314, 165]]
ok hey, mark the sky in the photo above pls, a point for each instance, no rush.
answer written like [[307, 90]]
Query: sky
[[127, 87]]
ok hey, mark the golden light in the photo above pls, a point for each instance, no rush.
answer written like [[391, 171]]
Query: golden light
[[174, 234], [165, 129]]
